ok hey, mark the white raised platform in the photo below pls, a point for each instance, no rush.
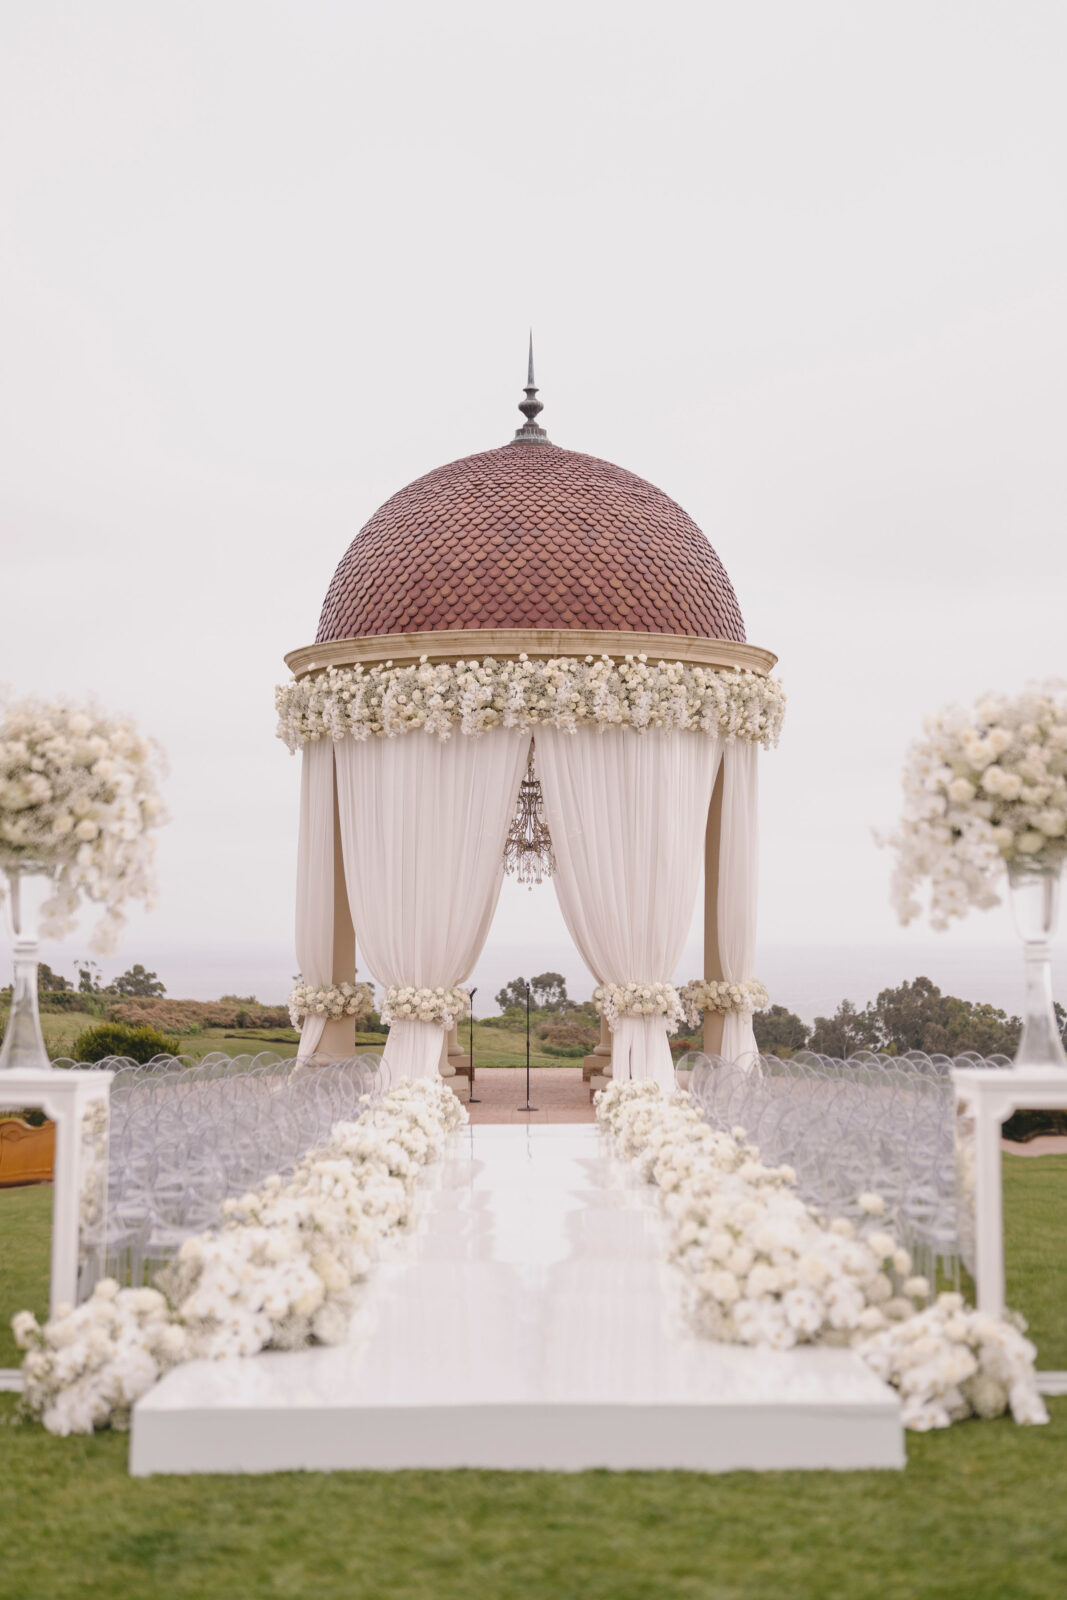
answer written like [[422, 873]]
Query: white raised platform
[[528, 1324]]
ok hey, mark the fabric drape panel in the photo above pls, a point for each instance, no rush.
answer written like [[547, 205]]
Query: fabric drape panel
[[738, 886], [423, 823], [314, 880], [627, 812]]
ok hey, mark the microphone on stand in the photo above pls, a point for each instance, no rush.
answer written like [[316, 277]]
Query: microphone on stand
[[527, 1106], [472, 1098]]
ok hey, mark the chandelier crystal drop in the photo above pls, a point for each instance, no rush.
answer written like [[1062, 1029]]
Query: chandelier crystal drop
[[528, 847]]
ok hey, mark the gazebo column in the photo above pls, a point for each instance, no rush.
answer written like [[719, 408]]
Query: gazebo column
[[339, 1035], [599, 1063], [713, 1020], [453, 1057]]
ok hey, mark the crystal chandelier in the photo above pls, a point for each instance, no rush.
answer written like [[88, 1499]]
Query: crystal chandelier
[[528, 846]]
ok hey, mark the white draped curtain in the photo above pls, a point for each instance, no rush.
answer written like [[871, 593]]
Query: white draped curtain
[[738, 886], [627, 812], [423, 823], [315, 880]]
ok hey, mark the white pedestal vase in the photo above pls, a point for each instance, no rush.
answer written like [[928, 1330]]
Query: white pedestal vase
[[1035, 895], [25, 890]]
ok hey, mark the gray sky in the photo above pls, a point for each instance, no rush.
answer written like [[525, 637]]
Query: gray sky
[[802, 265]]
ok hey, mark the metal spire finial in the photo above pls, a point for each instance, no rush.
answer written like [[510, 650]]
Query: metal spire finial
[[531, 407]]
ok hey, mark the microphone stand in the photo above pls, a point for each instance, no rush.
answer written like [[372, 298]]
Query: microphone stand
[[527, 1106], [472, 1098]]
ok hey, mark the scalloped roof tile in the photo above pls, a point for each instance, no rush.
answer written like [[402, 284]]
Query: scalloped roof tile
[[530, 536]]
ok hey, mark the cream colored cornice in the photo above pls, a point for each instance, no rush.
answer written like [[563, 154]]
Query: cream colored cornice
[[507, 643]]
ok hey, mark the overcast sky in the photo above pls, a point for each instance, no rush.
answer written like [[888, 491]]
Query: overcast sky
[[802, 264]]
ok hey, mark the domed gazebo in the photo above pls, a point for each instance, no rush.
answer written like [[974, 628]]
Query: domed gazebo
[[528, 593]]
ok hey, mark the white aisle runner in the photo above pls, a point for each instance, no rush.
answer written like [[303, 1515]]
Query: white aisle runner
[[528, 1323]]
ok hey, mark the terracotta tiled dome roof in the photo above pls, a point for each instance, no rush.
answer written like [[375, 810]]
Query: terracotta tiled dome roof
[[530, 536]]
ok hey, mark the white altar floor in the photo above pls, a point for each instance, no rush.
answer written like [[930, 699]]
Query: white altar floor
[[527, 1323]]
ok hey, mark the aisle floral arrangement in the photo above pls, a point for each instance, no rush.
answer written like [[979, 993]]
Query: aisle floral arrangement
[[280, 1271], [759, 1267], [332, 1001], [985, 788], [79, 798], [563, 692]]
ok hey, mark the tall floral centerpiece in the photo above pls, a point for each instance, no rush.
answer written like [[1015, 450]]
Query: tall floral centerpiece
[[985, 793], [79, 801]]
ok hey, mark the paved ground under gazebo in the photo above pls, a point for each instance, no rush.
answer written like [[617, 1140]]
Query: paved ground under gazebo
[[559, 1094]]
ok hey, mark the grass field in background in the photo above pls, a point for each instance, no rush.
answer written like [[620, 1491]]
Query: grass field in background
[[493, 1047], [976, 1515]]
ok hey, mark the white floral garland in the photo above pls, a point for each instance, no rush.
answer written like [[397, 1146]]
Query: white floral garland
[[79, 797], [336, 1001], [759, 1267], [985, 787], [281, 1271], [442, 1007], [563, 692], [615, 1000], [717, 995]]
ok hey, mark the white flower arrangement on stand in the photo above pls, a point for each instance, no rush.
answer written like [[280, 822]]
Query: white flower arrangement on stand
[[759, 1267], [442, 1007], [985, 791], [79, 798], [564, 692], [985, 788], [334, 1001], [615, 1000], [79, 803], [280, 1271], [716, 994]]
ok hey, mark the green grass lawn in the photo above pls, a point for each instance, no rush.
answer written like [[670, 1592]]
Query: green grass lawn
[[506, 1047], [493, 1047], [977, 1514]]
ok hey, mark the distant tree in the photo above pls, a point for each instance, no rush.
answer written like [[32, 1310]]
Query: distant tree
[[89, 976], [243, 999], [512, 994], [778, 1030], [138, 982], [550, 991], [917, 1016], [49, 980], [847, 1031]]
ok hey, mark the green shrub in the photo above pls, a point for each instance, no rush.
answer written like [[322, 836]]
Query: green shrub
[[53, 1000], [1022, 1126], [568, 1038], [120, 1039]]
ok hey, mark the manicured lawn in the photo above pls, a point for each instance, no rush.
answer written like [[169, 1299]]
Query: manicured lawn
[[1035, 1243], [978, 1513], [25, 1242]]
